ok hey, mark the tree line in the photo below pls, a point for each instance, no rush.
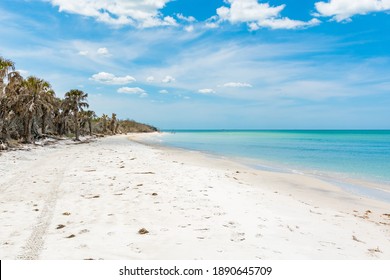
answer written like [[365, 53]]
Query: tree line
[[30, 109]]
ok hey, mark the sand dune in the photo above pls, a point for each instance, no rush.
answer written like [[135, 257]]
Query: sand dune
[[119, 199]]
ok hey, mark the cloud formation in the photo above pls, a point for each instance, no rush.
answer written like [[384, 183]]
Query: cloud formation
[[103, 51], [163, 91], [83, 53], [150, 79], [168, 79], [184, 18], [257, 15], [341, 10], [139, 13], [134, 90], [111, 79], [237, 85], [206, 91]]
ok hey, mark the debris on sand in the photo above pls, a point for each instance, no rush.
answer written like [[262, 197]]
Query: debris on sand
[[143, 231]]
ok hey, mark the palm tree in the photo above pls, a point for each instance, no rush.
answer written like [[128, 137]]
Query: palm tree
[[113, 123], [35, 95], [60, 115], [11, 107], [6, 66], [105, 118], [87, 117], [76, 100], [47, 106]]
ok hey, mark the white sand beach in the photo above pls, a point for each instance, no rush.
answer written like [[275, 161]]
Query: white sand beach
[[89, 201]]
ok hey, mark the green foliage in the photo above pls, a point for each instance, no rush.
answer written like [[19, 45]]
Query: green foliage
[[30, 109], [129, 126]]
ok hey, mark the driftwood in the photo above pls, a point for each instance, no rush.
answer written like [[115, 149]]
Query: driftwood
[[3, 146]]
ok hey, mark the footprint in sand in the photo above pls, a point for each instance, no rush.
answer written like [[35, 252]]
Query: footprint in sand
[[219, 214], [230, 224], [374, 251], [237, 237]]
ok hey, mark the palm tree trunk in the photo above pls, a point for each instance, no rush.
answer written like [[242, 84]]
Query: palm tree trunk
[[76, 126], [104, 126], [27, 128], [90, 127], [44, 123], [3, 131]]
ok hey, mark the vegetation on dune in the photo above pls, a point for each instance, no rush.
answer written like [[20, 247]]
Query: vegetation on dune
[[29, 110]]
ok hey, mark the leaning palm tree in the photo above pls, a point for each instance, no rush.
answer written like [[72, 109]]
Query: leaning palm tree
[[76, 100], [34, 95]]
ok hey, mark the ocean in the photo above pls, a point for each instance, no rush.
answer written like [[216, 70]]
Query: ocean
[[340, 156]]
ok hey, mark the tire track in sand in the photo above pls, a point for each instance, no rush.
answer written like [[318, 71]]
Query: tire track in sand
[[34, 244]]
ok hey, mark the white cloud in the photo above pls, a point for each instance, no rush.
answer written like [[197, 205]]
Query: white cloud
[[206, 91], [168, 79], [341, 10], [83, 53], [258, 15], [283, 23], [111, 79], [134, 90], [184, 18], [237, 85], [103, 51], [212, 22], [150, 79], [139, 13], [163, 91], [169, 21], [211, 25], [22, 72], [189, 28]]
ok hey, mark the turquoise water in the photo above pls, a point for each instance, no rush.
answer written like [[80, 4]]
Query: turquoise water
[[363, 154]]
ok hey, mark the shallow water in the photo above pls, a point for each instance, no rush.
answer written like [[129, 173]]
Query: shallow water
[[337, 155]]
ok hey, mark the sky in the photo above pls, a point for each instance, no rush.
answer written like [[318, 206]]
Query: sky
[[211, 64]]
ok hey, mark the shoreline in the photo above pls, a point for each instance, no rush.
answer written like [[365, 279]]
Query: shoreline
[[89, 202], [250, 163], [357, 186]]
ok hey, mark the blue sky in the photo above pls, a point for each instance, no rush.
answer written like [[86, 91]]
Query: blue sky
[[211, 64]]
